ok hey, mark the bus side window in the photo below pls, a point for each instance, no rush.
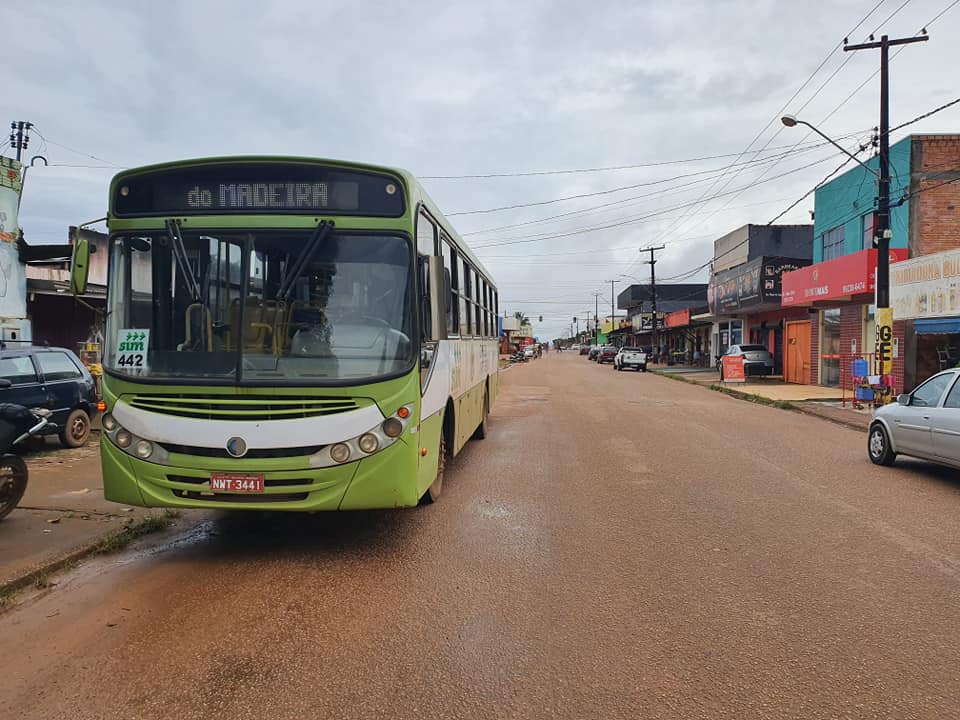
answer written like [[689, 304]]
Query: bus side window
[[426, 247]]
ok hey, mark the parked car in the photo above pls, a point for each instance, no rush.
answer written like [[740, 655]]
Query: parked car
[[593, 352], [584, 349], [757, 360], [575, 346], [529, 352], [924, 424], [51, 378], [630, 357], [607, 354]]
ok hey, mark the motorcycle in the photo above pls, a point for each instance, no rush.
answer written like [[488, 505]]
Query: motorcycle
[[17, 423]]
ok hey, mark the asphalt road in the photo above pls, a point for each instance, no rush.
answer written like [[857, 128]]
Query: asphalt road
[[621, 546]]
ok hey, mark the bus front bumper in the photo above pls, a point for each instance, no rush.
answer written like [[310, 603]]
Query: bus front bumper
[[386, 479]]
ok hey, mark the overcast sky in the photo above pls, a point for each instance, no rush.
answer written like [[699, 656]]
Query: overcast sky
[[449, 88]]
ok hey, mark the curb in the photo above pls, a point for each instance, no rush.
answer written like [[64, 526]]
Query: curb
[[835, 420], [788, 405], [67, 559]]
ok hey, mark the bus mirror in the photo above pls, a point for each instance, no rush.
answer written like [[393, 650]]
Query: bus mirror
[[80, 265], [438, 298]]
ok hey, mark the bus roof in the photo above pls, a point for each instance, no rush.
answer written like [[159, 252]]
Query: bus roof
[[415, 190]]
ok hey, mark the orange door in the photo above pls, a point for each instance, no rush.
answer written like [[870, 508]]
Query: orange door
[[796, 353]]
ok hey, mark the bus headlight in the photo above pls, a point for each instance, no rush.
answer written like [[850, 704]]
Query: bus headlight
[[123, 439], [378, 438], [369, 443], [143, 449], [392, 427], [109, 422], [340, 452]]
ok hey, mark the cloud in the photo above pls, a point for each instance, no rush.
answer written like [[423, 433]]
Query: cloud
[[456, 88]]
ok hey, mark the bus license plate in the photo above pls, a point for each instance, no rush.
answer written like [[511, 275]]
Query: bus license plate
[[236, 483]]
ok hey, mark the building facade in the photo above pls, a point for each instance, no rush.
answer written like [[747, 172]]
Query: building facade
[[838, 290]]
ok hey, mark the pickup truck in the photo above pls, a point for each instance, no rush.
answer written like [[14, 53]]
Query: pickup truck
[[630, 358]]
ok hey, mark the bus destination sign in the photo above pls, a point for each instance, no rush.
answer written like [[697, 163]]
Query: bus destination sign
[[269, 196], [262, 188]]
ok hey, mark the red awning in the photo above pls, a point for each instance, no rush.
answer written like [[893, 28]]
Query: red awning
[[836, 279]]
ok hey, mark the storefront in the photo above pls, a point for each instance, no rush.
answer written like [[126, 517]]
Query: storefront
[[687, 339], [925, 291], [838, 296], [746, 301]]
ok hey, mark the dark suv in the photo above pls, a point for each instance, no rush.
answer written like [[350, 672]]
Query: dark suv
[[52, 378]]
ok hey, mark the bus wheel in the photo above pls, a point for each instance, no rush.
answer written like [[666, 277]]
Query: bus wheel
[[481, 432], [436, 487]]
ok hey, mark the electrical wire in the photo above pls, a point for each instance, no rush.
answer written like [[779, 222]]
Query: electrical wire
[[636, 219], [611, 168], [603, 207]]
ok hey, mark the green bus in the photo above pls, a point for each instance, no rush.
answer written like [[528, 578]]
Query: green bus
[[287, 334]]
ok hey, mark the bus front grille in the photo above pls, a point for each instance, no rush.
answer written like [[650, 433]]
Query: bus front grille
[[255, 408], [254, 454]]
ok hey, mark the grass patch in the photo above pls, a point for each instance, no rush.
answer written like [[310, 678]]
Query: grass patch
[[172, 513], [750, 397], [6, 597], [131, 531], [677, 376]]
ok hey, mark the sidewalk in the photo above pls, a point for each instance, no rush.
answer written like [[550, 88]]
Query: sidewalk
[[62, 516], [822, 402]]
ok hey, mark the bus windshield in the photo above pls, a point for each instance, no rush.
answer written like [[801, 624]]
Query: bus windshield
[[294, 307]]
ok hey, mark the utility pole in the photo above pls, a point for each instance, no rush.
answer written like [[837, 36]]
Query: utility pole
[[882, 237], [652, 262], [884, 315], [596, 315], [613, 311], [20, 136]]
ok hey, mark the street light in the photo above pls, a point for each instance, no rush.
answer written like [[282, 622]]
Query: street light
[[793, 121]]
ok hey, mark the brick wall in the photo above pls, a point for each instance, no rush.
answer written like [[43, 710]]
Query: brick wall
[[899, 333], [935, 206], [814, 349], [851, 329]]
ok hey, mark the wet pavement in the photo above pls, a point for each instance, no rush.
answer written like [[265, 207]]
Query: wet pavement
[[621, 545]]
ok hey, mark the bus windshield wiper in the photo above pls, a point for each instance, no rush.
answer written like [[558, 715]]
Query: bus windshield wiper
[[183, 264], [292, 273]]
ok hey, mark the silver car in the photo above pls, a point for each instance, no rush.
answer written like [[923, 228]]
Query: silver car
[[923, 424]]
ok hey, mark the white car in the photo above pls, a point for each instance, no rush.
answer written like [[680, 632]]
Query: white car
[[628, 357], [575, 346], [529, 352]]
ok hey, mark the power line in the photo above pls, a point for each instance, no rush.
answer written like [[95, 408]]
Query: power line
[[779, 130], [610, 168], [630, 221]]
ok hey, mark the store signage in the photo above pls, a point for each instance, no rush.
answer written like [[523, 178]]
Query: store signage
[[752, 284], [680, 318], [733, 369], [835, 279], [884, 345], [926, 287]]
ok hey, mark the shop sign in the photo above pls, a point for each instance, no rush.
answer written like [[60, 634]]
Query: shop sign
[[754, 283], [733, 369], [680, 318], [841, 277], [884, 345], [926, 287]]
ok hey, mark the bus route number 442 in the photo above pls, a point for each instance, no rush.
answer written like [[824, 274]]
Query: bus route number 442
[[236, 483]]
